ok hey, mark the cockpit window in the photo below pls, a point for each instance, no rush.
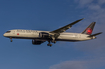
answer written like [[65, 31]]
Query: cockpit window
[[8, 31]]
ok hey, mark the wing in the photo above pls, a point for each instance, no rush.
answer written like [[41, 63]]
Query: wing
[[62, 29]]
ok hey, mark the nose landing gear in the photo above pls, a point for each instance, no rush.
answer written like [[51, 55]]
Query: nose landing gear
[[11, 39]]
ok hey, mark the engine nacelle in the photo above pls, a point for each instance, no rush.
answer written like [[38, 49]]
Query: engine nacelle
[[44, 35], [35, 42]]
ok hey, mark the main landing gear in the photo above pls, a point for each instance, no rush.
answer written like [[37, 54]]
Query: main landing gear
[[49, 44], [11, 39], [53, 41]]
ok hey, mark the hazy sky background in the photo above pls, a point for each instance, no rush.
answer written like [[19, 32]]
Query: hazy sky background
[[50, 15]]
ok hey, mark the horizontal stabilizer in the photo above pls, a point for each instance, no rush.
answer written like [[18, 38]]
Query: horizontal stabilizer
[[95, 34]]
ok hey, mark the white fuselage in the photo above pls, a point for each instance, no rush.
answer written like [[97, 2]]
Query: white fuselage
[[34, 34]]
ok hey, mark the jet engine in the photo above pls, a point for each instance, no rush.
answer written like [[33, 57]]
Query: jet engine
[[44, 35], [35, 42]]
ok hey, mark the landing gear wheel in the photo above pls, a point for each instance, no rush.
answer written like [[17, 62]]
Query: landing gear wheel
[[53, 41], [11, 40], [49, 44]]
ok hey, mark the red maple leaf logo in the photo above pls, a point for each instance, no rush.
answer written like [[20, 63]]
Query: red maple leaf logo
[[89, 30], [17, 33]]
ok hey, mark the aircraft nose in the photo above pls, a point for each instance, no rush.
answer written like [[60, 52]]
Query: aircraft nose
[[4, 34]]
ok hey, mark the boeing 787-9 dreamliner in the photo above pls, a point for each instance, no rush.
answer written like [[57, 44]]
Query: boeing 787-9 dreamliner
[[39, 37]]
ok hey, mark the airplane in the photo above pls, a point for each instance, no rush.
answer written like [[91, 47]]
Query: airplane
[[39, 37]]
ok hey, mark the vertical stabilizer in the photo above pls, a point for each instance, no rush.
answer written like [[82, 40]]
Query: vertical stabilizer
[[89, 29]]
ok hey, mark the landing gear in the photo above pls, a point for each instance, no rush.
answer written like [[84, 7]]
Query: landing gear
[[11, 39], [49, 44], [53, 41]]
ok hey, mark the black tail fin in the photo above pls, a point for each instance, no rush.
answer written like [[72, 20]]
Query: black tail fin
[[89, 29]]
